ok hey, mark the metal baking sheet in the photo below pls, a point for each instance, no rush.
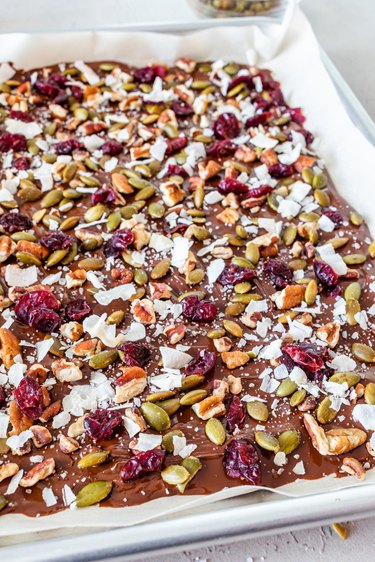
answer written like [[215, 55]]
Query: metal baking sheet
[[260, 513]]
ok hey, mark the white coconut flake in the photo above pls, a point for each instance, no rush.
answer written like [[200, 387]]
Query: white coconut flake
[[49, 497], [14, 483], [4, 422], [298, 191], [123, 292], [167, 381], [269, 384], [18, 441], [97, 328], [148, 441], [16, 372], [288, 208], [180, 251], [328, 255], [215, 269], [365, 415], [135, 332], [263, 141], [52, 279], [158, 149], [17, 277], [42, 348], [299, 468], [28, 130], [160, 243], [280, 459], [342, 363], [257, 306], [131, 427], [93, 142], [271, 351], [298, 376], [213, 197], [68, 495], [174, 359], [61, 420], [326, 224], [91, 76]]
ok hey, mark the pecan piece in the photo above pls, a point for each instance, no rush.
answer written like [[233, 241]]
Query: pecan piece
[[329, 333], [353, 467], [7, 247], [291, 296], [39, 472], [68, 444], [8, 470], [143, 311], [234, 359], [66, 371], [9, 347], [41, 436], [131, 383], [210, 407], [335, 441]]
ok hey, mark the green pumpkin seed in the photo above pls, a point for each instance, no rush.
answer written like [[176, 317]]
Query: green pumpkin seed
[[191, 381], [297, 264], [233, 328], [193, 397], [337, 243], [236, 241], [139, 183], [89, 181], [242, 262], [51, 199], [93, 459], [324, 413], [199, 294], [170, 406], [354, 259], [162, 395], [353, 291], [235, 309], [322, 198], [216, 333], [356, 219], [311, 292], [56, 257], [93, 493], [103, 359], [297, 397], [69, 172], [289, 441], [200, 233], [95, 213], [193, 466], [257, 410], [242, 288], [241, 232], [246, 299], [156, 210], [352, 308], [319, 181], [71, 254], [3, 446], [156, 417], [167, 441], [286, 388], [175, 474], [267, 441], [371, 250], [69, 223], [91, 264], [341, 377], [28, 259], [363, 353], [113, 221], [81, 114], [17, 236], [160, 269], [90, 244], [289, 234], [309, 217], [307, 175], [70, 193], [145, 193], [3, 502], [370, 393], [199, 197], [116, 317], [29, 193], [215, 431], [252, 253], [194, 277], [140, 277]]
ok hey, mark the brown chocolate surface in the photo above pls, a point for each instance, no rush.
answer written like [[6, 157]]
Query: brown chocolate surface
[[107, 102]]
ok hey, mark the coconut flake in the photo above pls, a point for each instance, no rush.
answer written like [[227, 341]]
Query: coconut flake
[[328, 255], [158, 149], [148, 441], [167, 381], [17, 277], [68, 495], [135, 332], [263, 141], [180, 251], [28, 130], [92, 142], [299, 468], [131, 427], [215, 269], [97, 328], [174, 359], [91, 76], [123, 292], [365, 415], [342, 363], [326, 224], [49, 497], [14, 483], [160, 243], [4, 422]]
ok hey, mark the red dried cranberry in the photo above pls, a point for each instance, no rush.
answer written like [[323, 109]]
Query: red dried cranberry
[[182, 108], [77, 310], [68, 146], [334, 216], [176, 170], [35, 300], [21, 163], [248, 80], [261, 103], [279, 170], [278, 272], [102, 424], [226, 126], [334, 292], [111, 148], [198, 310], [326, 275], [233, 274], [142, 464], [8, 141], [258, 119], [260, 191], [15, 222], [77, 92], [230, 185], [135, 354], [56, 240], [297, 115], [121, 240], [2, 396], [47, 88], [241, 460], [306, 355], [235, 414], [202, 364], [29, 398], [175, 145], [103, 195], [221, 149], [44, 319], [147, 74], [309, 137], [277, 97], [21, 116], [59, 79]]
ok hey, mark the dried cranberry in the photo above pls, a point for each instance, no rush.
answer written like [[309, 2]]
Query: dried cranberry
[[102, 424], [248, 80], [15, 222], [241, 460], [202, 364], [135, 354], [29, 398], [198, 310], [2, 396], [221, 149], [142, 464], [182, 108], [77, 92], [21, 163], [261, 191], [334, 292], [35, 300], [226, 126], [229, 185], [147, 74], [278, 272], [235, 414], [326, 275], [16, 142], [44, 319], [233, 274], [277, 97], [261, 103], [47, 88], [306, 355], [258, 119], [68, 146], [175, 145], [20, 116], [297, 115], [121, 240], [176, 170], [309, 137], [103, 195], [279, 170], [59, 79], [56, 240], [77, 310], [111, 148], [334, 216]]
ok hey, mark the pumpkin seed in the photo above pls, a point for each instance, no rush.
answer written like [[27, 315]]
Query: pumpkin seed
[[353, 291], [3, 446], [199, 197], [307, 175], [289, 234], [193, 397], [3, 502], [311, 292], [235, 309], [233, 328], [56, 257], [252, 253], [193, 466], [297, 264], [236, 241], [352, 308], [200, 233], [162, 395], [167, 441], [89, 181], [243, 262], [56, 348], [91, 264], [69, 172], [156, 210], [242, 288], [145, 193], [156, 417], [175, 474], [337, 242], [160, 269], [322, 198], [286, 388], [103, 359], [350, 378], [191, 381], [246, 299], [28, 259], [70, 193], [50, 220], [371, 250], [199, 294], [319, 181], [216, 333], [17, 236], [93, 493], [309, 217], [363, 352], [354, 259], [113, 221], [93, 459], [140, 277], [356, 219], [194, 277], [51, 199], [215, 431], [257, 410], [116, 317], [94, 213], [297, 397], [370, 393], [29, 193], [81, 114], [267, 441], [289, 441], [170, 406], [324, 413], [71, 254], [90, 244], [69, 223]]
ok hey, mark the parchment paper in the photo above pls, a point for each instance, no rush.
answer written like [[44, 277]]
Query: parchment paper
[[292, 52]]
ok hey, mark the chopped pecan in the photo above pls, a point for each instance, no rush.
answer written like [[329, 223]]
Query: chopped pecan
[[8, 470], [75, 278], [41, 435], [7, 248], [224, 252], [141, 236], [335, 441], [51, 411], [353, 467], [36, 250], [86, 348], [172, 193], [208, 169], [228, 216], [189, 264], [329, 333], [265, 240], [220, 389], [222, 344], [159, 291], [131, 383], [68, 444], [234, 359], [210, 407], [76, 428], [39, 472], [9, 347], [72, 331], [38, 372], [121, 183], [66, 371], [289, 297], [133, 415], [235, 384], [143, 311], [245, 154], [19, 421], [175, 333]]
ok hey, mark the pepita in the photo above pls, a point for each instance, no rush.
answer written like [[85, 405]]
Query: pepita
[[193, 466], [289, 234], [233, 328], [28, 259], [91, 264], [215, 431], [175, 474], [319, 181], [103, 359], [145, 193], [289, 441], [95, 213], [324, 413], [156, 210], [242, 288], [193, 397], [352, 308], [286, 388], [356, 219], [69, 223], [51, 199], [93, 493], [267, 441], [156, 417], [257, 410], [191, 381], [170, 406], [113, 221], [311, 292], [3, 502], [350, 378], [162, 395], [354, 259], [252, 253], [167, 441], [194, 277], [363, 352], [297, 397], [370, 393], [56, 257], [93, 459], [160, 269], [140, 277], [116, 317], [322, 198]]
